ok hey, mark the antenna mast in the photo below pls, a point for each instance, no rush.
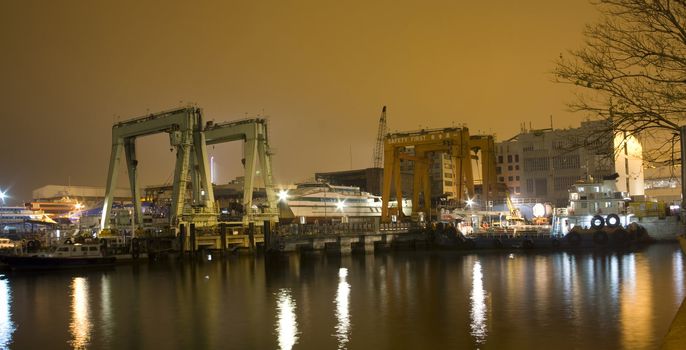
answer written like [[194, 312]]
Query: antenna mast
[[378, 149]]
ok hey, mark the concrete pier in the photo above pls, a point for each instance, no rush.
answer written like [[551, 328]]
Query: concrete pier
[[676, 337]]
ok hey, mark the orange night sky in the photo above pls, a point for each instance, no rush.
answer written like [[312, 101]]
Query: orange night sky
[[319, 70]]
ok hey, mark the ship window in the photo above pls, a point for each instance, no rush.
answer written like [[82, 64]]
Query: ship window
[[92, 249], [63, 249], [608, 204]]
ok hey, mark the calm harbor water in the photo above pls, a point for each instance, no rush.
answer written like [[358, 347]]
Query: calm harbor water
[[401, 300]]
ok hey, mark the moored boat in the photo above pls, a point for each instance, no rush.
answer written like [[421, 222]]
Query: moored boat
[[598, 212], [63, 256]]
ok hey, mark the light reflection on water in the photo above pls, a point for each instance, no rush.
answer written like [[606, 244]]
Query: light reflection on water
[[575, 300], [478, 303], [106, 308], [81, 325], [342, 309], [286, 324], [678, 263], [6, 324]]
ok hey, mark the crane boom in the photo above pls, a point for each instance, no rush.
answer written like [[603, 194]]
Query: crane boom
[[378, 148]]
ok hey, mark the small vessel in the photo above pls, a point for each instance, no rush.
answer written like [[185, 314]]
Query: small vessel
[[62, 256], [599, 214]]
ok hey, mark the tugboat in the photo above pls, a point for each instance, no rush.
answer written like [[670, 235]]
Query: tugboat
[[597, 213], [61, 257]]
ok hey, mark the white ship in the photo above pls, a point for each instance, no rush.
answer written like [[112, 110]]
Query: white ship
[[13, 217], [312, 201]]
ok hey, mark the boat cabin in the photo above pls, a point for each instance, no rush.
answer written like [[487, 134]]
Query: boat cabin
[[76, 250]]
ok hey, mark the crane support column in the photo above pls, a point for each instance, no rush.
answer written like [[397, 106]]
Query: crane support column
[[183, 154], [132, 166], [266, 166], [117, 146], [202, 170]]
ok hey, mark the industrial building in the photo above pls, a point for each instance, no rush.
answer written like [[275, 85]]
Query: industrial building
[[541, 165]]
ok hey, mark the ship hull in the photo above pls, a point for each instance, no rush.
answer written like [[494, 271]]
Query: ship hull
[[55, 263]]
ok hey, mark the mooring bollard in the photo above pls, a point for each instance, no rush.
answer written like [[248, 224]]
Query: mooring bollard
[[251, 236], [267, 231], [222, 235], [192, 240], [182, 240]]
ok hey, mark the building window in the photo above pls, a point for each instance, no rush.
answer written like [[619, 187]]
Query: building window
[[509, 167], [448, 183], [563, 183], [498, 170], [536, 164], [517, 190], [516, 167], [501, 179], [541, 186], [530, 186], [500, 159], [516, 158], [517, 178], [510, 178], [566, 162]]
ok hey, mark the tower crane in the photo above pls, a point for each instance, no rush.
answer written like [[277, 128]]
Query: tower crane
[[378, 148]]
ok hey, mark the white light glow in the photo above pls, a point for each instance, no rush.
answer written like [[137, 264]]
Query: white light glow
[[343, 309], [478, 301], [283, 195], [3, 195], [6, 324], [470, 202], [80, 326], [286, 323], [340, 205]]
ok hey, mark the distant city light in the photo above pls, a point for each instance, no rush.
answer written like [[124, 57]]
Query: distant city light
[[283, 195]]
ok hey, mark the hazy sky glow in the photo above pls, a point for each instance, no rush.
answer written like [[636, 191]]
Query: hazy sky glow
[[319, 70]]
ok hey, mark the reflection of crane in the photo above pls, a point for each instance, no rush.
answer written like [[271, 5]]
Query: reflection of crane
[[378, 149]]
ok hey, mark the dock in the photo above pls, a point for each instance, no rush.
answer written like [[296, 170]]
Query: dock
[[676, 337]]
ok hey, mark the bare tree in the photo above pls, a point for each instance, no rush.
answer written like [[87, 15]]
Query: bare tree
[[631, 71]]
